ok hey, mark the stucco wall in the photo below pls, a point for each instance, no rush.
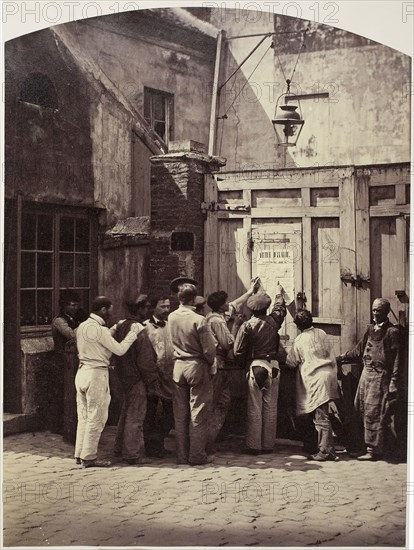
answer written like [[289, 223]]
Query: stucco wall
[[366, 118], [48, 152], [128, 56]]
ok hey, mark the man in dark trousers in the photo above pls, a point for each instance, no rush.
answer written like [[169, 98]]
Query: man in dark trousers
[[378, 388], [218, 319], [64, 326], [138, 374], [160, 417]]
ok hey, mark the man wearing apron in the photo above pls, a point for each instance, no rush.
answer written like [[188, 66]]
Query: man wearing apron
[[379, 350]]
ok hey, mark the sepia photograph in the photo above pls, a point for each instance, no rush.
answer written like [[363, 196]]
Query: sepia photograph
[[206, 274]]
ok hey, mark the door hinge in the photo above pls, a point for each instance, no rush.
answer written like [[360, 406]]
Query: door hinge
[[356, 281], [214, 206]]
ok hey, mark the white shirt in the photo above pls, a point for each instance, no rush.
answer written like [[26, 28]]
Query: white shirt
[[316, 381], [96, 344]]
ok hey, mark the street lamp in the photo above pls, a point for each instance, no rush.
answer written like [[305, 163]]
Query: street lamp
[[288, 123]]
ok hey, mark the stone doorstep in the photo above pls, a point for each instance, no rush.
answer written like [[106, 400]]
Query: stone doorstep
[[20, 423]]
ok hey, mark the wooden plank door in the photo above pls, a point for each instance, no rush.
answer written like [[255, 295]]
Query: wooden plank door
[[390, 264], [277, 256]]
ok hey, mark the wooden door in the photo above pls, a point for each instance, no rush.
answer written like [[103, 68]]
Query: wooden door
[[277, 257]]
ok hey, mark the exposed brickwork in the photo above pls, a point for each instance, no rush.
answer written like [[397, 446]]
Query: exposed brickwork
[[177, 191]]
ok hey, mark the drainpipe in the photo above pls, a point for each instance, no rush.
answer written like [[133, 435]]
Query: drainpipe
[[214, 97]]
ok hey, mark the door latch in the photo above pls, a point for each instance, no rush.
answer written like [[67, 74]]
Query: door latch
[[301, 300], [357, 281]]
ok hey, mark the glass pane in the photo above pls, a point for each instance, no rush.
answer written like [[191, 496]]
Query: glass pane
[[159, 107], [159, 127], [44, 232], [82, 235], [44, 269], [82, 270], [147, 105], [28, 231], [44, 307], [66, 271], [67, 234], [28, 270], [27, 308], [84, 304]]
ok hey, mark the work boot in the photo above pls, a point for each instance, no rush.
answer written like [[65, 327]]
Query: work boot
[[253, 452], [325, 457], [208, 460], [136, 461], [96, 463], [369, 456]]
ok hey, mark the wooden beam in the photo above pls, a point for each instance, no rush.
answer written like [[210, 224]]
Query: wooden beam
[[293, 180], [400, 194], [307, 260], [296, 212], [362, 253], [214, 95], [390, 174], [389, 210], [347, 260], [211, 238], [402, 279], [285, 212]]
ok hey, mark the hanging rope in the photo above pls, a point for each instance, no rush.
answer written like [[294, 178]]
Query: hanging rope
[[247, 81], [289, 80]]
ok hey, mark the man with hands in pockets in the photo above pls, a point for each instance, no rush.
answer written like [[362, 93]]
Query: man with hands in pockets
[[96, 344]]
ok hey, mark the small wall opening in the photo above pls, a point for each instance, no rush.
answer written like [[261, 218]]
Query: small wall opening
[[182, 241], [38, 89]]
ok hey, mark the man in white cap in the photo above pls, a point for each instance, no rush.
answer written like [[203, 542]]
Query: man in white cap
[[379, 350]]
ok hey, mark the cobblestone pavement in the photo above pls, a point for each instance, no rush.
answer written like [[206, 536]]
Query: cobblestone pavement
[[280, 499]]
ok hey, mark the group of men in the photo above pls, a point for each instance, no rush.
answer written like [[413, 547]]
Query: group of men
[[174, 368]]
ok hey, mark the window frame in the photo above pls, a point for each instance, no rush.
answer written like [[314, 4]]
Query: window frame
[[57, 212], [168, 99]]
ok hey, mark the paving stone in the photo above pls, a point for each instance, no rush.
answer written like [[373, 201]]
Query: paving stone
[[281, 499]]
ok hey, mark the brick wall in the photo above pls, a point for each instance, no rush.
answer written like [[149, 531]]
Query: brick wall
[[177, 191]]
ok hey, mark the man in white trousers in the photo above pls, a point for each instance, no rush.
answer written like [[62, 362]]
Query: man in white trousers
[[96, 344]]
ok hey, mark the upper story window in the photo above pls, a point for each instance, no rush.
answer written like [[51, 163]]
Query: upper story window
[[39, 90], [159, 113]]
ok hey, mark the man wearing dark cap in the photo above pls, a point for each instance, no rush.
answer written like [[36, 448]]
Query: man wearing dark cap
[[159, 419], [316, 380], [194, 353], [257, 344], [139, 375], [64, 327], [378, 386], [218, 321]]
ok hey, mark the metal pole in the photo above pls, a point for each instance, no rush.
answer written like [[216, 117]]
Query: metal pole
[[244, 60], [213, 112]]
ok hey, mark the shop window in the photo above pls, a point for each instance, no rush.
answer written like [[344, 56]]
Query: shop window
[[55, 255], [39, 90], [159, 113]]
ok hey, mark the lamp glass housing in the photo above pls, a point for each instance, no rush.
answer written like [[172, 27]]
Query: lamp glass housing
[[288, 123]]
